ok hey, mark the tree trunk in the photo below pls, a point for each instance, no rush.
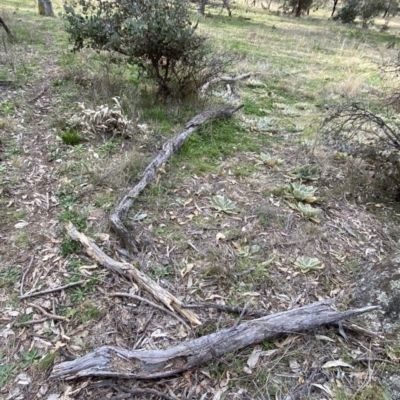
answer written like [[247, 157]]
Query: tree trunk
[[45, 8], [298, 9], [334, 7], [4, 25], [115, 362], [201, 7], [387, 9]]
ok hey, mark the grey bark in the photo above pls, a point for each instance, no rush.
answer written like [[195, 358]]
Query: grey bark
[[115, 362], [45, 8]]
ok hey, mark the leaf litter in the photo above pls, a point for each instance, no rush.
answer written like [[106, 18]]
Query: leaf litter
[[235, 254]]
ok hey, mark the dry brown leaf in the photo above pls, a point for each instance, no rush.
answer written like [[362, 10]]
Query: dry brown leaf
[[286, 342], [254, 357]]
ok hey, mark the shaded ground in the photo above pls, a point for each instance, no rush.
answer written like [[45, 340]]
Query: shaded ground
[[193, 249]]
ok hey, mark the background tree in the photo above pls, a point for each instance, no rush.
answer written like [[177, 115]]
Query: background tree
[[45, 7], [155, 35], [367, 10]]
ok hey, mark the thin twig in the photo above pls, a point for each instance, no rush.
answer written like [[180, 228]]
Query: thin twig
[[224, 308], [150, 303], [242, 314], [123, 390], [21, 289], [136, 392], [47, 314], [366, 359], [57, 289], [34, 321]]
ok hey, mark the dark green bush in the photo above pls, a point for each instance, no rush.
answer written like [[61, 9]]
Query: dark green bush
[[156, 35], [348, 12], [365, 9]]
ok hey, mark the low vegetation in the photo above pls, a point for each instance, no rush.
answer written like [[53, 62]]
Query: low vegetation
[[270, 208]]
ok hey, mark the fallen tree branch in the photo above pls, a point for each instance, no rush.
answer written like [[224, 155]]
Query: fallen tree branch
[[169, 148], [225, 79], [115, 362], [158, 292]]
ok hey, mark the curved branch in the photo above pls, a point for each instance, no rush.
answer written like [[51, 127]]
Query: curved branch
[[170, 147]]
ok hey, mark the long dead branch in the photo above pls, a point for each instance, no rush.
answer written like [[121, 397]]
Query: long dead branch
[[115, 362], [169, 148], [142, 279]]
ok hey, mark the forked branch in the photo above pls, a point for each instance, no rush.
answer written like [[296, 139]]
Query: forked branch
[[115, 362]]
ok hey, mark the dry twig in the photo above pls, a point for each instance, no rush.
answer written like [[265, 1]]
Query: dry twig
[[47, 314], [21, 289], [150, 303], [57, 289]]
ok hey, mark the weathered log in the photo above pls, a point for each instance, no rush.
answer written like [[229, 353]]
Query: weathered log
[[142, 279], [115, 362], [169, 148]]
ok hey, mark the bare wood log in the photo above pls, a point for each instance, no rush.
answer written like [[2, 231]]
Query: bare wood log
[[115, 362], [169, 148], [225, 79], [4, 25], [158, 292]]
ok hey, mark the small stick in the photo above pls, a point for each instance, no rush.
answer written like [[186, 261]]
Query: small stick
[[47, 314], [222, 307], [366, 359], [242, 314], [21, 289], [35, 321], [57, 289], [150, 303], [125, 393]]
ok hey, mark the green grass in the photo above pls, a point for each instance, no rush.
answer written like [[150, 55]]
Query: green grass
[[71, 138], [299, 66], [9, 276]]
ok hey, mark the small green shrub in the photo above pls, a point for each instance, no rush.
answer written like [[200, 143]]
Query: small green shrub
[[348, 12], [71, 138], [156, 35], [68, 247]]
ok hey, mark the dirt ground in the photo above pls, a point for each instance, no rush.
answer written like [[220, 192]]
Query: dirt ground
[[255, 249]]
